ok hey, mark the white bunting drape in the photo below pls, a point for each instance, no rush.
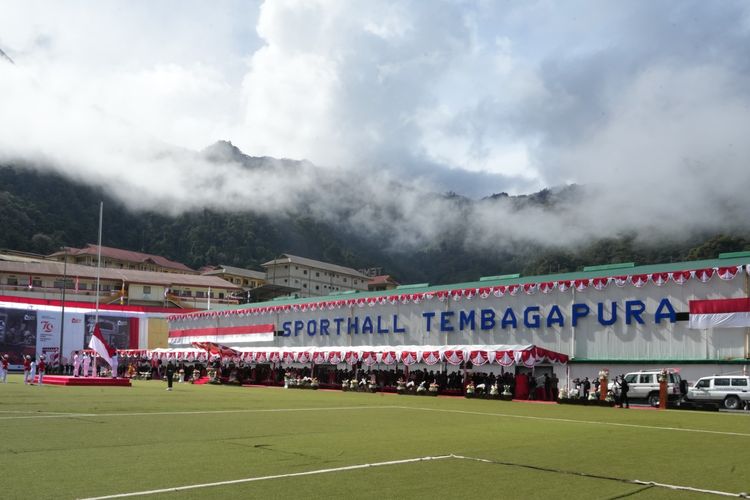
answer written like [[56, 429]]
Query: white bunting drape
[[478, 355]]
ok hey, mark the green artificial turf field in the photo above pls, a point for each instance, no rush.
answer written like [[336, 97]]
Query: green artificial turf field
[[82, 442]]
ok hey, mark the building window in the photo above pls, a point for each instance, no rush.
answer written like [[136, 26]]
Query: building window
[[317, 287], [200, 295], [36, 282], [146, 289], [344, 280], [187, 293], [317, 274], [304, 271], [13, 281], [221, 295], [304, 285], [286, 280], [59, 284]]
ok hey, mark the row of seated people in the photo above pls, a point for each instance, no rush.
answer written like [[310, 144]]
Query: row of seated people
[[520, 385]]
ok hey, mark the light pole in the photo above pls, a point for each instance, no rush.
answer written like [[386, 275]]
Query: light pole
[[62, 312]]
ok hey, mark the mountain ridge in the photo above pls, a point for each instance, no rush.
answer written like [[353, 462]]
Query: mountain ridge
[[43, 211]]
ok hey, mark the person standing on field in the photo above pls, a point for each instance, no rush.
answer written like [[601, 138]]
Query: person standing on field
[[170, 374], [27, 378], [115, 365], [86, 364], [4, 368], [41, 368], [624, 388], [76, 364], [32, 371]]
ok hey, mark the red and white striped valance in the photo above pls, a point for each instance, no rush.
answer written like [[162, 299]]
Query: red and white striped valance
[[505, 355], [582, 284]]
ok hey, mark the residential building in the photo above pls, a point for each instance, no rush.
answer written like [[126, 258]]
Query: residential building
[[118, 258], [312, 278], [246, 278], [382, 282], [46, 280]]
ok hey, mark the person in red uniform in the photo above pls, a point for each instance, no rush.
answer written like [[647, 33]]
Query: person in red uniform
[[40, 368], [27, 370], [4, 368]]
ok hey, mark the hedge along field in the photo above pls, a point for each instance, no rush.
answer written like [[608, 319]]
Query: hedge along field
[[82, 442]]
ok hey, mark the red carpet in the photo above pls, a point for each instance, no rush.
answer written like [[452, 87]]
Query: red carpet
[[99, 381], [201, 381]]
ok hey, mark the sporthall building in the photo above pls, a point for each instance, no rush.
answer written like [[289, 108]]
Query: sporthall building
[[694, 316]]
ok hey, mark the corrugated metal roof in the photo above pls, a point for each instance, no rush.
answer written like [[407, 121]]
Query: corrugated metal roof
[[647, 269], [126, 255], [57, 269], [293, 259], [237, 271], [383, 279]]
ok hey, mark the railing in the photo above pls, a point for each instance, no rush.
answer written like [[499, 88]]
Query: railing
[[51, 293], [109, 296]]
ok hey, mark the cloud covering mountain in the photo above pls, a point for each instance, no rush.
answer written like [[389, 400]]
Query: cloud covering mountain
[[645, 104]]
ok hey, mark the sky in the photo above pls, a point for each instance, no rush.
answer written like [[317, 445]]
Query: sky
[[645, 103]]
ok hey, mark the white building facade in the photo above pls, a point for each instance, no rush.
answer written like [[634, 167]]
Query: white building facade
[[622, 318], [313, 278]]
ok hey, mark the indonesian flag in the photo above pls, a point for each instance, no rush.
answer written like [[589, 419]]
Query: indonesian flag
[[100, 346], [722, 313]]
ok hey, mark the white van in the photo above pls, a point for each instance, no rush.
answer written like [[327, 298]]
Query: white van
[[732, 391]]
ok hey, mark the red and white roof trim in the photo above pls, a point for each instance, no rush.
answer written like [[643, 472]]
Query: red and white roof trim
[[598, 283]]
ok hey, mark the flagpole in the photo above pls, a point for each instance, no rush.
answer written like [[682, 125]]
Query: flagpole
[[98, 274], [98, 262]]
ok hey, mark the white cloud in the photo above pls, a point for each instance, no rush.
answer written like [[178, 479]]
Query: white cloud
[[647, 109]]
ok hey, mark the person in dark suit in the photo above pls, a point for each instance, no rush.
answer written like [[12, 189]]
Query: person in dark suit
[[170, 374], [624, 388], [586, 388]]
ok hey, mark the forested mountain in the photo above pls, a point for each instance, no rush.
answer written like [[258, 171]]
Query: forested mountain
[[40, 212]]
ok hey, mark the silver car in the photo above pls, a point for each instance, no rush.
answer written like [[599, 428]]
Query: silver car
[[732, 391]]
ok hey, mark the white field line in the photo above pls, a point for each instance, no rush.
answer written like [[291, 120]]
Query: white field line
[[392, 462], [276, 476], [638, 481], [574, 421], [391, 407], [195, 412], [38, 412]]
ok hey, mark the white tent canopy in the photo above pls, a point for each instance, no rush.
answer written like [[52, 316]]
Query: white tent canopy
[[504, 355]]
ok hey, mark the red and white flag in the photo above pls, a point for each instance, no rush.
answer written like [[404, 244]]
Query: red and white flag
[[100, 346], [721, 313]]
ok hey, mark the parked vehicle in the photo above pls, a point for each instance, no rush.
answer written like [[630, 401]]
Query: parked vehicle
[[645, 385], [731, 391]]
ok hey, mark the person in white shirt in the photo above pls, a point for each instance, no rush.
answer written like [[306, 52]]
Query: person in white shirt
[[115, 364], [86, 364], [4, 369], [76, 364]]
